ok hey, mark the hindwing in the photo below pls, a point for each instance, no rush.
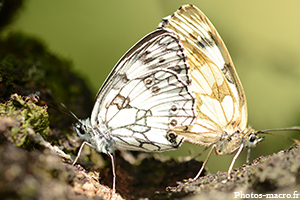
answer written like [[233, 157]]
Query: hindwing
[[146, 95]]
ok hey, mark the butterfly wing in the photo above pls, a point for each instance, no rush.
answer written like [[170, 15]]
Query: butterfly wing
[[146, 95], [220, 99]]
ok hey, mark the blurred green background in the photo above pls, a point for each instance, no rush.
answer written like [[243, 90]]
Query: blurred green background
[[261, 36]]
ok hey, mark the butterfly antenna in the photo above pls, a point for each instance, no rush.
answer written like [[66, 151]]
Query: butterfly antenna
[[71, 113], [296, 128], [293, 128]]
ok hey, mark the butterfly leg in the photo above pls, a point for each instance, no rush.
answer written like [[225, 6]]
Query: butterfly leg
[[79, 152], [203, 165], [112, 163], [113, 171], [199, 154], [248, 156], [233, 160]]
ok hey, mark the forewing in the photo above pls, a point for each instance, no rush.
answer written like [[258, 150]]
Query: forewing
[[220, 100], [146, 95]]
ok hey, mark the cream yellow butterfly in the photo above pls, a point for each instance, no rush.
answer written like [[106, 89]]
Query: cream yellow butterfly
[[221, 107], [220, 101]]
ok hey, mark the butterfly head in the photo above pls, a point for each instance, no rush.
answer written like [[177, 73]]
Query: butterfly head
[[229, 144], [102, 143], [251, 138], [83, 129]]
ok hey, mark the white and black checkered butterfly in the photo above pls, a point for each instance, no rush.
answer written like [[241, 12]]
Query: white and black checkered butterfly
[[143, 98]]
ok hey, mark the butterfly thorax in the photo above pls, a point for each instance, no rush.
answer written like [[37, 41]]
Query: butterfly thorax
[[103, 143], [230, 143]]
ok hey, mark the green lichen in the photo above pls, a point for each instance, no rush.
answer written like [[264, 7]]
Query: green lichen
[[25, 115]]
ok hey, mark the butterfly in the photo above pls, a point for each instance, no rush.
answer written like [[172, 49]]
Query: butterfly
[[221, 107], [143, 98], [176, 84]]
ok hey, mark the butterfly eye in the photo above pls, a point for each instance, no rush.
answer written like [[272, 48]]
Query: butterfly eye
[[252, 137], [82, 129]]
